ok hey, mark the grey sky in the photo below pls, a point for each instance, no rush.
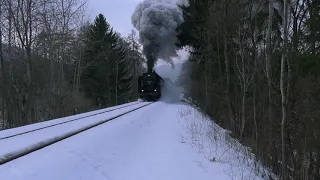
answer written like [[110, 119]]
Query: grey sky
[[117, 12]]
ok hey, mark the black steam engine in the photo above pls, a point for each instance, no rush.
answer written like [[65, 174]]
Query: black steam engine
[[149, 85]]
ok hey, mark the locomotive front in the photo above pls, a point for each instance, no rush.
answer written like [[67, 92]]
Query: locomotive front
[[149, 85]]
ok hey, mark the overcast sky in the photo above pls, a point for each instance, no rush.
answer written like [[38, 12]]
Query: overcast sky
[[117, 12]]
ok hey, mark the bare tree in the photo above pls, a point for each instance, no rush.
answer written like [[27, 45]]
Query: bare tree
[[23, 20], [268, 61], [226, 60], [282, 88], [2, 78], [290, 149], [245, 77]]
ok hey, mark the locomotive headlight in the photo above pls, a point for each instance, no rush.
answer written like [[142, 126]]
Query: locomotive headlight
[[142, 90], [155, 90]]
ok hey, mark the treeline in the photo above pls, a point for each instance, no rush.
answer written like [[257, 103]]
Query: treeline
[[55, 63], [254, 68]]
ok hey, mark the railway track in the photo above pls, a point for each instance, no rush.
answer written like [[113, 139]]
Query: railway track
[[68, 121], [8, 157]]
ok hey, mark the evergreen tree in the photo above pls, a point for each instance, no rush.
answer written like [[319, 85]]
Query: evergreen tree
[[124, 79], [135, 60], [195, 16], [108, 76], [99, 53]]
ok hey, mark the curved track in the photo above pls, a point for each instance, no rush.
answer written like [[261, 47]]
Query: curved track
[[68, 121], [22, 152]]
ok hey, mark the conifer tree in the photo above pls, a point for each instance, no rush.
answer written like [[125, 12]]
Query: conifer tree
[[124, 78], [99, 52]]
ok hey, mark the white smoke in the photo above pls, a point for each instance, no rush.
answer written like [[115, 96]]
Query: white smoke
[[156, 21]]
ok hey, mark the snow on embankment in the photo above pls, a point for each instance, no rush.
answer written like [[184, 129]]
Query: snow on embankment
[[23, 144], [157, 142], [13, 131], [216, 145], [208, 138]]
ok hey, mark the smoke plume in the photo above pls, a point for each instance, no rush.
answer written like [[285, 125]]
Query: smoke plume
[[156, 21]]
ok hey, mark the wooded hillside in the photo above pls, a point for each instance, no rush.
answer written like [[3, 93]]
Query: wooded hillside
[[55, 63], [255, 69]]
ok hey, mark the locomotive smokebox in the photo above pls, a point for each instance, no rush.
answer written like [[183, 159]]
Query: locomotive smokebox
[[149, 84]]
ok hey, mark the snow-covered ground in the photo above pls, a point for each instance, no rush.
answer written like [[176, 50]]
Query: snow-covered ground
[[216, 145], [168, 140], [156, 142], [16, 145], [13, 131]]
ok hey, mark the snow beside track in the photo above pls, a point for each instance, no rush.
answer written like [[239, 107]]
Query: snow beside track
[[161, 141], [16, 145], [13, 131]]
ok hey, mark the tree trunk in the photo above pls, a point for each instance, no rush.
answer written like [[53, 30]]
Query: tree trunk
[[63, 43], [3, 77], [226, 60], [282, 89], [255, 92], [134, 60], [77, 71], [227, 63], [243, 112], [219, 61], [52, 82], [268, 67], [9, 112], [117, 79]]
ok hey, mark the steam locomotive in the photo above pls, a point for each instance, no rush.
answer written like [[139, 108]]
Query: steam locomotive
[[149, 86]]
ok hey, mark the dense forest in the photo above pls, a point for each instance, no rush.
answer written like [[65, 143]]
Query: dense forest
[[254, 68], [54, 62]]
